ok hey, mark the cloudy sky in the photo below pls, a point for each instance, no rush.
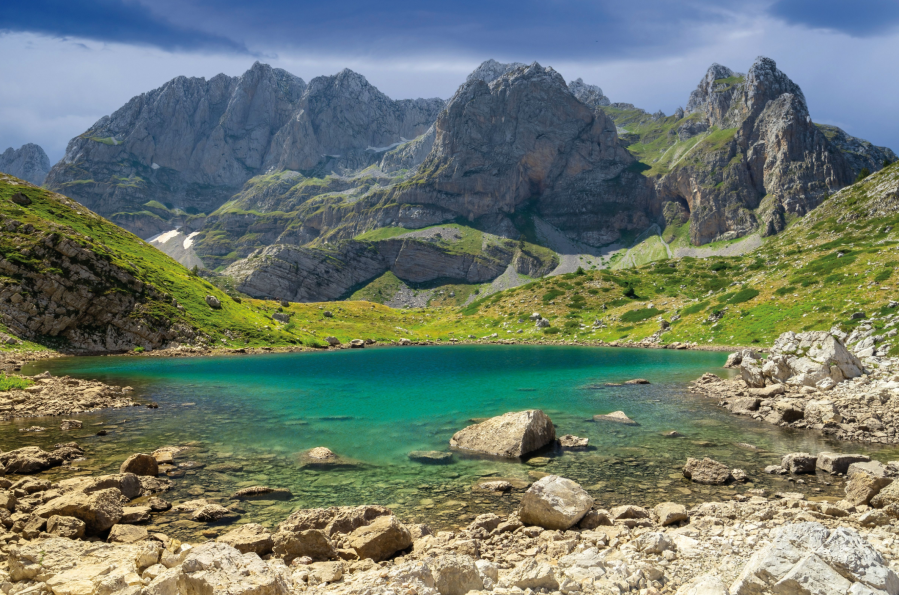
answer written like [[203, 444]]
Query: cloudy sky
[[66, 63]]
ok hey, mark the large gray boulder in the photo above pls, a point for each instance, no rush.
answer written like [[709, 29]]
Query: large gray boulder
[[554, 502], [510, 436]]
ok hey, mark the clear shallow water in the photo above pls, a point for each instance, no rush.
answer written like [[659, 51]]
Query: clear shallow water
[[374, 406]]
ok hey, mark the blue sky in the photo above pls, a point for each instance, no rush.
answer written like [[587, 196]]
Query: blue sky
[[67, 63]]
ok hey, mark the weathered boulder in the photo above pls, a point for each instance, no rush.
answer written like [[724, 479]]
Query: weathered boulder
[[70, 424], [617, 417], [510, 436], [866, 480], [135, 514], [808, 558], [321, 457], [127, 483], [573, 442], [381, 539], [706, 584], [206, 568], [213, 302], [887, 496], [654, 543], [822, 411], [668, 513], [530, 574], [706, 471], [28, 459], [99, 510], [311, 542], [594, 519], [140, 464], [261, 493], [799, 462], [333, 520], [554, 502], [65, 526], [834, 462], [455, 575], [251, 537], [210, 513]]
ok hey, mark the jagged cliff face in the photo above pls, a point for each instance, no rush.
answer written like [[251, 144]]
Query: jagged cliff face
[[767, 158], [525, 141], [193, 143], [28, 162], [588, 94]]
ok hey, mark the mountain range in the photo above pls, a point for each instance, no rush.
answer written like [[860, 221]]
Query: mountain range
[[28, 162], [314, 191]]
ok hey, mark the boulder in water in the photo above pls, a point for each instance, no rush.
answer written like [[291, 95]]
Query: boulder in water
[[509, 436], [431, 457], [706, 471], [617, 417]]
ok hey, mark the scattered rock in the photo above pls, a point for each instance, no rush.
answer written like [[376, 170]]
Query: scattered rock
[[381, 539], [311, 543], [65, 526], [140, 464], [127, 534], [209, 513], [213, 302], [799, 462], [838, 463], [668, 513], [554, 503], [573, 442], [706, 471]]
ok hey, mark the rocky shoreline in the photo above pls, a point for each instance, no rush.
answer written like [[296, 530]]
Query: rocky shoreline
[[813, 381], [88, 535], [45, 395]]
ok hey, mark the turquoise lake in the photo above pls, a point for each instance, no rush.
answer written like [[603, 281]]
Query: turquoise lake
[[247, 418]]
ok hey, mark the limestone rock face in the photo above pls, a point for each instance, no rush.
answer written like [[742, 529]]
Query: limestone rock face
[[193, 142], [28, 162], [588, 94], [554, 502], [768, 146], [509, 436], [525, 138]]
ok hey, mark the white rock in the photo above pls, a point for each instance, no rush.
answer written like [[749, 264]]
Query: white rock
[[707, 584], [554, 502]]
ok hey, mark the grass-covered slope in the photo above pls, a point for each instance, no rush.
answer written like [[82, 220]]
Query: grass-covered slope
[[72, 280]]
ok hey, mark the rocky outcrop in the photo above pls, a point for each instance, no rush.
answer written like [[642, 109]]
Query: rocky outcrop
[[760, 142], [60, 283], [588, 94], [193, 142], [524, 139], [512, 435], [28, 162], [812, 358]]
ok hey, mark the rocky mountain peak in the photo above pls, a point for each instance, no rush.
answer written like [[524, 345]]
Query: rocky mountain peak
[[765, 82], [709, 90], [490, 70], [29, 162], [589, 94]]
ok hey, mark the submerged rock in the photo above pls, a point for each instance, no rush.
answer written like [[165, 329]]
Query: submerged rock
[[617, 417], [510, 436], [573, 442], [431, 457]]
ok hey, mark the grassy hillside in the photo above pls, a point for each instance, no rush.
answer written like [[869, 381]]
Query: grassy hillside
[[171, 294], [839, 260]]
